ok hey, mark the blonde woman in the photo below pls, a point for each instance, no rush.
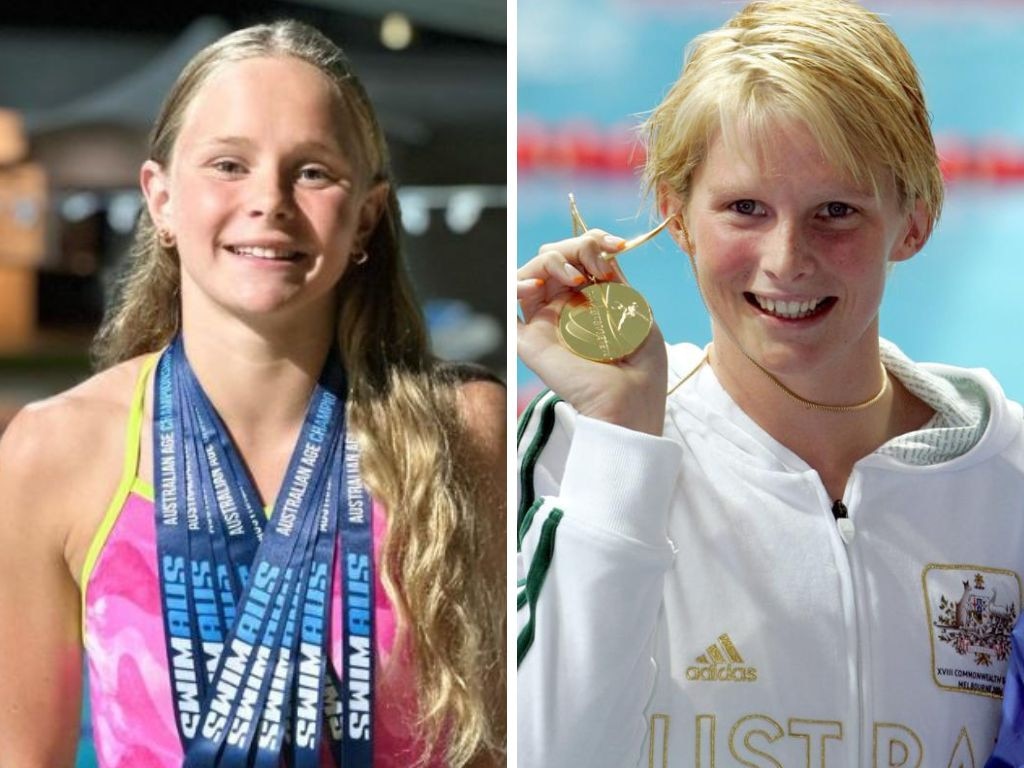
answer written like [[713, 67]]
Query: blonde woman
[[274, 521], [754, 553]]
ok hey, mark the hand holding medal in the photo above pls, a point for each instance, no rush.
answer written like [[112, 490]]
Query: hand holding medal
[[606, 321], [585, 331]]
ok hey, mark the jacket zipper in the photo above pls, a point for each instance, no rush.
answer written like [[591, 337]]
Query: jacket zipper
[[843, 521], [839, 510], [847, 531]]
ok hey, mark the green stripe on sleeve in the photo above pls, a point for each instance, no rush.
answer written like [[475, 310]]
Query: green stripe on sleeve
[[529, 462], [527, 414], [535, 578], [527, 521]]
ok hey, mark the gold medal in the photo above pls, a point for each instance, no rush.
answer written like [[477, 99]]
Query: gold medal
[[605, 322]]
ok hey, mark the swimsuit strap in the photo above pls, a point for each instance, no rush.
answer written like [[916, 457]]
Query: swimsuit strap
[[129, 472]]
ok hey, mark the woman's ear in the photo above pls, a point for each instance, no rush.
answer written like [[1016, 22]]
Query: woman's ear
[[671, 204], [156, 189], [919, 229]]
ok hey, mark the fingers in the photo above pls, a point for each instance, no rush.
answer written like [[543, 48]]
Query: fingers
[[565, 266], [530, 294], [582, 255], [546, 278], [613, 265]]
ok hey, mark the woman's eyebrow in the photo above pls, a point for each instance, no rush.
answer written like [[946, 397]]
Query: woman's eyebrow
[[831, 192]]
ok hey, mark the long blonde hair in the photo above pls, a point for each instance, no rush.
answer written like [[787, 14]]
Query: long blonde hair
[[437, 559], [832, 64]]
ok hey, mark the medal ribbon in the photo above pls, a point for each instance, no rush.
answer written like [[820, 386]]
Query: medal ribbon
[[247, 603]]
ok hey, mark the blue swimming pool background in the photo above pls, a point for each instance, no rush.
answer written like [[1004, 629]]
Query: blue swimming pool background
[[604, 62]]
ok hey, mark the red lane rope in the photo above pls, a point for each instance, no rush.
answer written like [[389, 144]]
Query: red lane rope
[[584, 148]]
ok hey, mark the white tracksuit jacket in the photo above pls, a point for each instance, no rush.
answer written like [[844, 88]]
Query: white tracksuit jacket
[[692, 600]]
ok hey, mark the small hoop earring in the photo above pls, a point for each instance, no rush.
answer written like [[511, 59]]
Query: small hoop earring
[[165, 238], [361, 258]]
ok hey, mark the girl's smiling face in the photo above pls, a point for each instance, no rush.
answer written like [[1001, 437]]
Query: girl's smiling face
[[791, 254], [263, 194]]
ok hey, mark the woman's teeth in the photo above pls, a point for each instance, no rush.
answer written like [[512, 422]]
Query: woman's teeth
[[791, 310]]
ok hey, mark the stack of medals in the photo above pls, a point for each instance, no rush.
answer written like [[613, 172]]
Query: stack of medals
[[247, 602], [605, 322]]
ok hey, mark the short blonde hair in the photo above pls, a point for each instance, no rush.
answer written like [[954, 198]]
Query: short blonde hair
[[830, 64]]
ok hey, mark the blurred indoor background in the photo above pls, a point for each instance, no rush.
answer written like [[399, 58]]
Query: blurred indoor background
[[589, 69], [80, 85]]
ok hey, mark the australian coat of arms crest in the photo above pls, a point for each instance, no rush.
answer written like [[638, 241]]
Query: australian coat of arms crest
[[971, 611]]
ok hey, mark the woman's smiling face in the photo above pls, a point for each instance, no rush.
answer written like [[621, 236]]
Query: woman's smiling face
[[262, 194], [791, 254]]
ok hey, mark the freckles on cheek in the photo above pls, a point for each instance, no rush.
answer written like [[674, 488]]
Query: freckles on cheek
[[846, 251], [723, 274], [727, 257], [855, 262]]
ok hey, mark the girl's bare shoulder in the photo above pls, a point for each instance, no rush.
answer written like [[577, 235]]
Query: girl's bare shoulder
[[481, 401], [482, 406], [482, 411], [67, 442]]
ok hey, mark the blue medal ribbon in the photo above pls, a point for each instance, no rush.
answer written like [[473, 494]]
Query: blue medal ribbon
[[247, 603], [357, 614]]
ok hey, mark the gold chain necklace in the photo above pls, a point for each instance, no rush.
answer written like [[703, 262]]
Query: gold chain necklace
[[693, 370], [812, 404]]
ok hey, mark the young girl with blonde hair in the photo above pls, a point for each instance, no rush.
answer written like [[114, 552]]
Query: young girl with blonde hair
[[299, 558]]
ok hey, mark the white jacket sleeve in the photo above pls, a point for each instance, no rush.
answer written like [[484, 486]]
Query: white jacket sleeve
[[593, 553]]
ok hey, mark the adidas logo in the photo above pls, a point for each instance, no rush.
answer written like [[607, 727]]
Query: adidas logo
[[721, 662]]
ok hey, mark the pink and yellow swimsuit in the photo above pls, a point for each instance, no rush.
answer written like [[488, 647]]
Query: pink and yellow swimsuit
[[123, 634]]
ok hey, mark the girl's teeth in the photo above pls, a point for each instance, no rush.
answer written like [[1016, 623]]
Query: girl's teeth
[[261, 253]]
